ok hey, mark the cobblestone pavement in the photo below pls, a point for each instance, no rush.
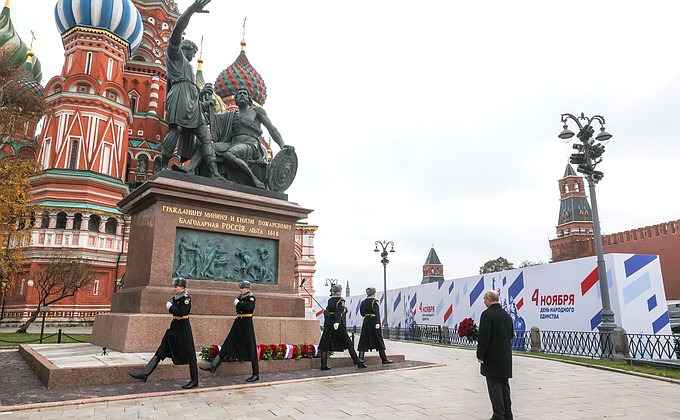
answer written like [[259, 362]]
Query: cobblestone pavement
[[449, 388]]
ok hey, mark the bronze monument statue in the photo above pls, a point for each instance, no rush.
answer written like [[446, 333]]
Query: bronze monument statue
[[184, 114], [240, 156]]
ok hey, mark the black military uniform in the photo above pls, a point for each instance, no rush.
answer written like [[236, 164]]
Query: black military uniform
[[178, 341], [240, 343], [334, 337], [371, 333]]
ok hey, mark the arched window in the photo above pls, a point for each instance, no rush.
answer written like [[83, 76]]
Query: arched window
[[142, 164], [157, 165], [111, 226], [61, 220], [566, 187], [93, 224], [74, 155], [45, 222], [88, 63], [576, 186], [77, 221]]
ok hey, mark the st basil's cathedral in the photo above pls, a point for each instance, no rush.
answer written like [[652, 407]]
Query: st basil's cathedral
[[102, 139]]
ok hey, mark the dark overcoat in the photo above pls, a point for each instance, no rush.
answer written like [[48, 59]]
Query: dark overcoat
[[178, 341], [494, 345], [240, 343], [371, 337], [332, 339]]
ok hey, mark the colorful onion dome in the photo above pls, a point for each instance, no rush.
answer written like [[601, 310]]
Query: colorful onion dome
[[238, 75], [118, 17], [12, 46]]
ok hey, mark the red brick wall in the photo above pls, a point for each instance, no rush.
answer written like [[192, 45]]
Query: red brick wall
[[663, 240]]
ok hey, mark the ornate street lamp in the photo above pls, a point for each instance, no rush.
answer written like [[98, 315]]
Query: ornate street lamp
[[384, 261], [589, 155]]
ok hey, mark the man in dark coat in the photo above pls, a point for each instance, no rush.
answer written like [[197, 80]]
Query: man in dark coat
[[334, 337], [494, 353], [178, 341], [371, 333], [240, 343]]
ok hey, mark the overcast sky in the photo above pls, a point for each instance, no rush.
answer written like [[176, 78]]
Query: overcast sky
[[436, 122]]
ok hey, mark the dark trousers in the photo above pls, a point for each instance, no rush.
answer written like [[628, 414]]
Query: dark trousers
[[499, 393]]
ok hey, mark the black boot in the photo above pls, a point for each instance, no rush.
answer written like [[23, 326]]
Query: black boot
[[212, 367], [144, 374], [256, 370], [383, 357], [324, 361], [193, 371], [361, 355], [360, 363]]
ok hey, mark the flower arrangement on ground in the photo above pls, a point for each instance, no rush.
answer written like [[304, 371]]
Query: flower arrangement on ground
[[271, 351], [209, 352], [468, 328]]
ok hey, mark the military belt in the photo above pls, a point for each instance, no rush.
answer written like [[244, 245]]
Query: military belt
[[244, 315], [181, 317], [370, 314], [332, 313]]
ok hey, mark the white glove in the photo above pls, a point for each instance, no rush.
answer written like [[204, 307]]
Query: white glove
[[336, 325], [236, 301], [377, 326], [168, 304]]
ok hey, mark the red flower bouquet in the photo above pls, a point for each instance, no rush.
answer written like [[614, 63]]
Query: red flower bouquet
[[468, 328], [209, 352]]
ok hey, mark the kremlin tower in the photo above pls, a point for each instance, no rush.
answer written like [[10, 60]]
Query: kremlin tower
[[575, 237]]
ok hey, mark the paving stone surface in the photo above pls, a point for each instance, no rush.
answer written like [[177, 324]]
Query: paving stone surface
[[435, 382]]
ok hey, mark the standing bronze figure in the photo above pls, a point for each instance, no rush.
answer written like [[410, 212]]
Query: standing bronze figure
[[182, 104]]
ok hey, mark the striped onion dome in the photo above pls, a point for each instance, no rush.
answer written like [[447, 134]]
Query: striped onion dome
[[241, 74], [10, 44], [118, 17]]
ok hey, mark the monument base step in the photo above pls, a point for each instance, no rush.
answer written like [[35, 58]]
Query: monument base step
[[71, 365]]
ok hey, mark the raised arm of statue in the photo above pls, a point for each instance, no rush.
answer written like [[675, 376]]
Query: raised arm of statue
[[183, 20], [276, 136]]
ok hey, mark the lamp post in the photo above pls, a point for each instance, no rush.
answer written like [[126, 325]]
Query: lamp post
[[589, 155], [384, 261]]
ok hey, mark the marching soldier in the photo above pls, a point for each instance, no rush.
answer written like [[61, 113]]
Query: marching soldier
[[178, 341], [334, 337], [240, 344], [371, 333]]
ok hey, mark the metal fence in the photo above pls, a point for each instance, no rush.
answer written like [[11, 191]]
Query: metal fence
[[572, 343], [60, 335], [654, 347]]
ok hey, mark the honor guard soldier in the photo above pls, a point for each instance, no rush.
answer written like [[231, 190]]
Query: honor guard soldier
[[371, 333], [178, 341], [334, 337], [240, 344]]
